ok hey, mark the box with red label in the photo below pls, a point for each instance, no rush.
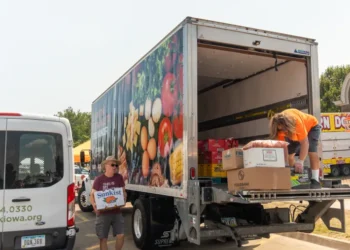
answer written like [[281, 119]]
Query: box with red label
[[264, 157], [201, 146], [214, 145], [231, 143], [214, 157]]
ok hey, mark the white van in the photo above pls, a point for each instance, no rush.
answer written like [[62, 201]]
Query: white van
[[37, 197]]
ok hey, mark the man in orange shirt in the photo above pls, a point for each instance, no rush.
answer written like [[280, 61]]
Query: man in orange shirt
[[302, 131]]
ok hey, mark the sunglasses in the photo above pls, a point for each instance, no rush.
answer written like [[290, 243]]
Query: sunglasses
[[114, 165]]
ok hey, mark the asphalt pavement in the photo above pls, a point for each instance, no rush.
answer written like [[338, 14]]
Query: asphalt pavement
[[86, 238]]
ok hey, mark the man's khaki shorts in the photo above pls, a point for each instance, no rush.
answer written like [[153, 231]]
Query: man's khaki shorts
[[105, 221]]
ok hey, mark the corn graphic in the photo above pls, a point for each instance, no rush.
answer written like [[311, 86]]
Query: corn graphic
[[176, 165]]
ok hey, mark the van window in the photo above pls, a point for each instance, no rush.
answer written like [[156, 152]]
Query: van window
[[33, 159], [2, 158]]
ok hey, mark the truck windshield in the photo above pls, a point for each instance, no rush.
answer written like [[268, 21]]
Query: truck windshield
[[32, 159]]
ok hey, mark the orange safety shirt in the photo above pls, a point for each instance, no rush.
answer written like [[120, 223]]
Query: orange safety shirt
[[303, 124]]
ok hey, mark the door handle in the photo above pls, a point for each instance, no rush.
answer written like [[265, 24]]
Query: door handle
[[20, 200]]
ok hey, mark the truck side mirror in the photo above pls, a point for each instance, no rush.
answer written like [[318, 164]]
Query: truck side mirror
[[82, 157]]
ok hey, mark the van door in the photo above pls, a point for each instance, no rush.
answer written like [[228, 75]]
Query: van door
[[36, 188], [2, 176]]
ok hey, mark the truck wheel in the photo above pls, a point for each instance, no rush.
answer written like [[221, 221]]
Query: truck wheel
[[82, 201], [345, 170], [141, 224], [335, 171]]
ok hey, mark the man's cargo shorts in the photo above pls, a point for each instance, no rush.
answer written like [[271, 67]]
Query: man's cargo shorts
[[105, 221], [313, 136]]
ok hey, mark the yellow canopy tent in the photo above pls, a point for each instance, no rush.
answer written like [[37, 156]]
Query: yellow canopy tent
[[84, 146]]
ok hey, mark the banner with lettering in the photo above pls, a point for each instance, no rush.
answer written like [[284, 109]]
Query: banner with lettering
[[335, 122]]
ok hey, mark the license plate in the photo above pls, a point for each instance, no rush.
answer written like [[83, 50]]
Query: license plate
[[33, 241]]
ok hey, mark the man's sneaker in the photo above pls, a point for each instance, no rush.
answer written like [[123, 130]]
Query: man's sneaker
[[315, 184]]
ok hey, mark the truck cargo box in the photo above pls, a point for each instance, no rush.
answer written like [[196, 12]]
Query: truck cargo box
[[205, 80]]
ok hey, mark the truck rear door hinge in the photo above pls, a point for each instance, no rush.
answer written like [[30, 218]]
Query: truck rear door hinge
[[70, 143]]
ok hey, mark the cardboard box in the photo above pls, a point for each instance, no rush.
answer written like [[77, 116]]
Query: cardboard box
[[202, 170], [259, 178], [109, 199], [211, 170], [300, 181], [264, 157], [216, 170], [232, 159], [214, 145], [210, 158], [231, 143]]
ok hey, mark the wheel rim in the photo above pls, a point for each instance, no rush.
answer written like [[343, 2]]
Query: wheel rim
[[82, 198], [138, 223], [346, 170], [335, 171]]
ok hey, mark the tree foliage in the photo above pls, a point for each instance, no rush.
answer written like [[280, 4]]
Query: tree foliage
[[80, 123], [331, 82]]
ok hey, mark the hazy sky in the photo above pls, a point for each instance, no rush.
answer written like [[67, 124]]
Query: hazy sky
[[55, 54]]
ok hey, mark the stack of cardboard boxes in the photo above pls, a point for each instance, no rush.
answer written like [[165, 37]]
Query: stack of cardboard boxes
[[256, 169], [210, 157]]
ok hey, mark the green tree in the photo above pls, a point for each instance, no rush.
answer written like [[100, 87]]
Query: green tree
[[80, 123], [331, 82]]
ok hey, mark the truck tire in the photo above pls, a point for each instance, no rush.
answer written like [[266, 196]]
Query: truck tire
[[335, 171], [141, 224], [82, 201], [345, 170]]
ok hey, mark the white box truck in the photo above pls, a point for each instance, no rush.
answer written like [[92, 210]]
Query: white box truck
[[205, 79]]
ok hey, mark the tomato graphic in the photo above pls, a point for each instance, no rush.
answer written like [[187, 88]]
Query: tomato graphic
[[178, 126], [165, 137], [169, 61], [169, 94]]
